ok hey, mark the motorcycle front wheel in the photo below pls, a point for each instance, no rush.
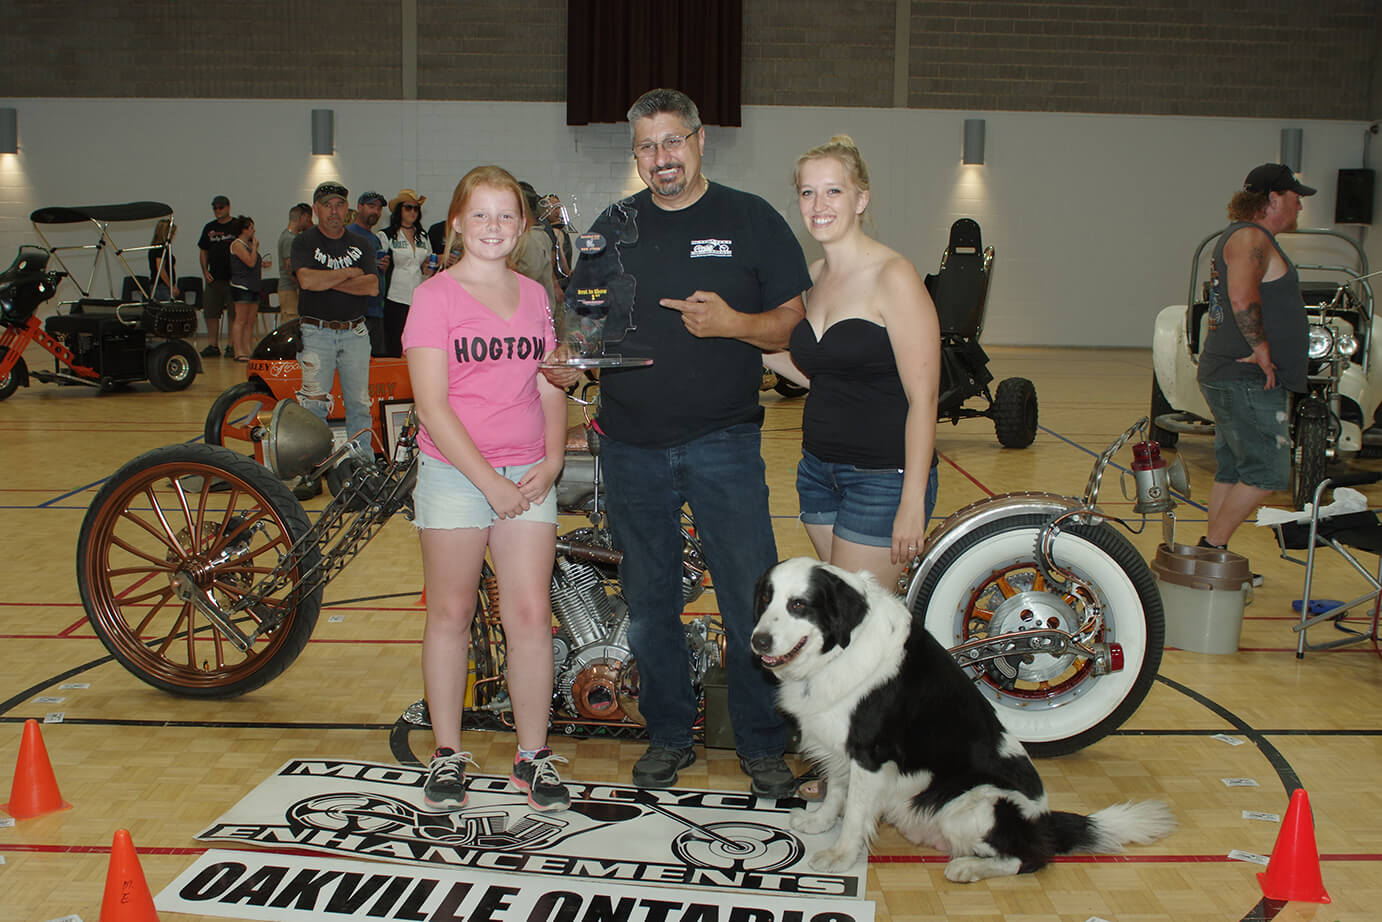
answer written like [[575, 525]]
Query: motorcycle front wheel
[[205, 516], [988, 583]]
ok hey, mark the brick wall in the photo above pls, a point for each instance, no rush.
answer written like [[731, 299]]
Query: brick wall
[[1265, 58], [502, 50], [1268, 58]]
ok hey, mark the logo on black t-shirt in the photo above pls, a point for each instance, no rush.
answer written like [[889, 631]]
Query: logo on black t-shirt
[[350, 258], [710, 246]]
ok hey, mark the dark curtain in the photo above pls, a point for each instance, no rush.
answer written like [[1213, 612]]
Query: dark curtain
[[619, 49]]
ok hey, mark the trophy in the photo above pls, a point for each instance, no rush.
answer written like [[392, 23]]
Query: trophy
[[599, 296]]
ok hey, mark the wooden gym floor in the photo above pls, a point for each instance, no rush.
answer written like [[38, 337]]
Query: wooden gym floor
[[128, 756]]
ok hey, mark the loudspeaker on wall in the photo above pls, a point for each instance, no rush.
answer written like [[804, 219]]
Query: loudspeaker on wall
[[1353, 200]]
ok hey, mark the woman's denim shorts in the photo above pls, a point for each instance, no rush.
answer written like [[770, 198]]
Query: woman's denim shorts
[[445, 498], [859, 502]]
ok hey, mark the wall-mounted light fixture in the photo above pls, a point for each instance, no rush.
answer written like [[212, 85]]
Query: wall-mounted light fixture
[[974, 141], [1292, 140], [9, 131], [323, 131]]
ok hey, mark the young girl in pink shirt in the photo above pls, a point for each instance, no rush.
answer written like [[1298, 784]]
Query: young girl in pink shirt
[[492, 436]]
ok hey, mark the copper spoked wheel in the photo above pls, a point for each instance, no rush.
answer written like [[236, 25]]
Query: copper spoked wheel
[[239, 417], [205, 515]]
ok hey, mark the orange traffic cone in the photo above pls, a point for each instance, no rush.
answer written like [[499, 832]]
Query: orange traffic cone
[[35, 789], [422, 599], [1293, 873], [127, 896]]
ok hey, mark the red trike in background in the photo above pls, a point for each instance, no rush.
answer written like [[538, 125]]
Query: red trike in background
[[98, 342]]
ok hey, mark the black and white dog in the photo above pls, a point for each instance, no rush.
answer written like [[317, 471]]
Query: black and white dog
[[905, 737]]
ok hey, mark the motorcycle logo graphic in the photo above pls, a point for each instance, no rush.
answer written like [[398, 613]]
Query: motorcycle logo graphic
[[732, 846]]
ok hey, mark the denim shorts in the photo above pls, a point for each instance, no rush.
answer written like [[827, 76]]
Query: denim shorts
[[243, 295], [1252, 438], [445, 498], [859, 502]]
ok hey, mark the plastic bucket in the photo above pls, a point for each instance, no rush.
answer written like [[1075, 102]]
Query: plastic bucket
[[1203, 592]]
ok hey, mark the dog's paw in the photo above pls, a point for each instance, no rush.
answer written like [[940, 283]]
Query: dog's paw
[[811, 821], [834, 860], [966, 869]]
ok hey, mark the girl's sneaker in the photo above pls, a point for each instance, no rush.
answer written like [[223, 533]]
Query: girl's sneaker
[[538, 778], [444, 788]]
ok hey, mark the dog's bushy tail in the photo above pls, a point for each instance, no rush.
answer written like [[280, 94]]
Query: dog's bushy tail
[[1106, 831]]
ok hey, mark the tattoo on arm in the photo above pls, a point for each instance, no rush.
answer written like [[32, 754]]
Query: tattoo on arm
[[1257, 255], [1249, 321]]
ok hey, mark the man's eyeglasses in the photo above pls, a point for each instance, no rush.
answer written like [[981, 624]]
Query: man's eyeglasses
[[672, 144]]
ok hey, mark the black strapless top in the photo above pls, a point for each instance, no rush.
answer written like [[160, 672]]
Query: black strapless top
[[856, 410]]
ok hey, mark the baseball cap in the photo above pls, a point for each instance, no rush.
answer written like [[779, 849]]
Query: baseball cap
[[373, 198], [220, 201], [1275, 177], [328, 190]]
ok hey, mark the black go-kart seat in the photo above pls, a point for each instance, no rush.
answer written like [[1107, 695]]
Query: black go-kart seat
[[26, 284], [960, 287]]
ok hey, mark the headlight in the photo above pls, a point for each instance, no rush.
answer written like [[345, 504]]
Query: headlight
[[1348, 344], [1321, 342]]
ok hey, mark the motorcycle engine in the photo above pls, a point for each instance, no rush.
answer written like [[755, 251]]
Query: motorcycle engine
[[591, 647]]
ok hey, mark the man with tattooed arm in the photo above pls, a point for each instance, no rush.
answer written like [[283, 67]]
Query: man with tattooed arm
[[1255, 350]]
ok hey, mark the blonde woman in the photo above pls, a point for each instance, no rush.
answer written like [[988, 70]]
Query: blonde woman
[[869, 347]]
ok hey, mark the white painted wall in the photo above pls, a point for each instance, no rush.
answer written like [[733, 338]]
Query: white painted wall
[[1094, 217]]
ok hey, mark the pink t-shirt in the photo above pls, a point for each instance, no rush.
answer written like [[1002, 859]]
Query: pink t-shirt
[[492, 365]]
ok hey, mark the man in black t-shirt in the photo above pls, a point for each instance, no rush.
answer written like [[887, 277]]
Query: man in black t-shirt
[[214, 245], [337, 279], [718, 277]]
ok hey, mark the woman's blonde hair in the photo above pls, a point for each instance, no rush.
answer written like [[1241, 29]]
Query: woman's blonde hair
[[843, 149], [495, 176], [163, 231]]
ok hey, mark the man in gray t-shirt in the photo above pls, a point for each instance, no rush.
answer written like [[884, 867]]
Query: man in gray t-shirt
[[299, 219]]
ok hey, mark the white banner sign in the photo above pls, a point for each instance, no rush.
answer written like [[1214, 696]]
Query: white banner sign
[[613, 832], [294, 888]]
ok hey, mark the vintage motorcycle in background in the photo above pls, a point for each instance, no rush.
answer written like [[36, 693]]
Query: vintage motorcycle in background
[[203, 576]]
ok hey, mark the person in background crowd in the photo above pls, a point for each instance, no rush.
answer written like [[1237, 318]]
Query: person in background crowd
[[246, 280], [491, 444], [299, 219], [337, 279], [368, 210], [162, 267], [535, 249], [408, 250], [1255, 351], [214, 245]]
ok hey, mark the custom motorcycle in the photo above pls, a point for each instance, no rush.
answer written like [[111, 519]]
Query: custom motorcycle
[[203, 576]]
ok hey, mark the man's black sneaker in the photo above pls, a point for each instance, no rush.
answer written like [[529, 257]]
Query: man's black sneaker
[[228, 352], [769, 776], [444, 788], [211, 352], [538, 778], [658, 767]]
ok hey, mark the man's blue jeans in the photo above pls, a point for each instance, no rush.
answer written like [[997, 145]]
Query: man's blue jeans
[[721, 476], [326, 352]]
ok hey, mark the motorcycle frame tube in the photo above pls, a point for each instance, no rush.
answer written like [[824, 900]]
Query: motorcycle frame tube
[[979, 513]]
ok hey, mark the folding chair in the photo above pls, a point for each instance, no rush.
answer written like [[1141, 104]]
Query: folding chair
[[1346, 533], [269, 308]]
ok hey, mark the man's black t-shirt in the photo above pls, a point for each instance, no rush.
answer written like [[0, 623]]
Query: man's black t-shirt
[[314, 250], [215, 239], [728, 242]]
